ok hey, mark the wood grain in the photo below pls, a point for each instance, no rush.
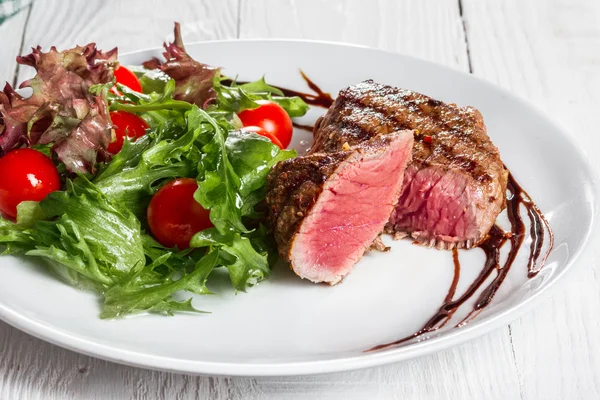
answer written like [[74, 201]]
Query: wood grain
[[11, 34], [31, 368], [426, 29]]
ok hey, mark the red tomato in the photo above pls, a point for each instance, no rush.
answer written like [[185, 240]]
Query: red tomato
[[271, 117], [127, 78], [174, 216], [25, 174], [263, 132], [125, 124]]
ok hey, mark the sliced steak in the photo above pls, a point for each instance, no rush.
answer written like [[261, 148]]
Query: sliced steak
[[455, 186], [327, 209]]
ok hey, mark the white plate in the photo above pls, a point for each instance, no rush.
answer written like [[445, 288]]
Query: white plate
[[286, 326]]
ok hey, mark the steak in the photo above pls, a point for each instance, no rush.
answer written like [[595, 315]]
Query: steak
[[455, 186], [327, 209]]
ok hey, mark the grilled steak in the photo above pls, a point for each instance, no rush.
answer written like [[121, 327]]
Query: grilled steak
[[327, 209], [455, 186]]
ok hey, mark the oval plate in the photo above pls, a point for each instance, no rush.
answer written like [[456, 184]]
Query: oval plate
[[286, 326]]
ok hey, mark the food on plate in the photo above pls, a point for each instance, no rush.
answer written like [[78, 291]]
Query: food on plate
[[454, 188], [262, 132], [174, 216], [125, 125], [327, 209], [138, 182], [272, 118], [126, 77], [25, 175], [135, 182], [62, 111], [193, 80]]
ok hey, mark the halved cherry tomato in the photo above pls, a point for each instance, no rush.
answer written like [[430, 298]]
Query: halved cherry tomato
[[125, 124], [127, 78], [175, 216], [272, 118], [25, 174], [263, 132]]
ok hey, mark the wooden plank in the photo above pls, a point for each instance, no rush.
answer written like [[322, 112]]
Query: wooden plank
[[11, 32], [31, 368], [131, 25], [426, 29], [549, 52]]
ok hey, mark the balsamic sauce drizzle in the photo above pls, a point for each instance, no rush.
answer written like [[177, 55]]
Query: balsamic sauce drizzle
[[309, 128], [491, 246], [497, 237], [318, 99]]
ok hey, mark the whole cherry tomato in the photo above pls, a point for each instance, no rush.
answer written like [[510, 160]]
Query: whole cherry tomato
[[125, 124], [272, 118], [175, 216], [25, 175], [127, 78]]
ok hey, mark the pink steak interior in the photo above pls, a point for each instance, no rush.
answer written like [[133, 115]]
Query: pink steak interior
[[350, 213]]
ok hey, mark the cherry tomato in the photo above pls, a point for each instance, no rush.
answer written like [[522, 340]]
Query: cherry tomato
[[125, 124], [271, 117], [127, 78], [25, 174], [263, 132], [174, 216]]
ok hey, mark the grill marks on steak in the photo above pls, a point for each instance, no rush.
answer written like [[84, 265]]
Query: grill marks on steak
[[455, 186], [327, 209]]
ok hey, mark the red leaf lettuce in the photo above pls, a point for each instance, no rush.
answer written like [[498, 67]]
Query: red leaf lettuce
[[61, 110], [194, 80]]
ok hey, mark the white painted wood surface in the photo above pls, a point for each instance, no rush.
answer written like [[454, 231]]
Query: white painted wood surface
[[545, 50]]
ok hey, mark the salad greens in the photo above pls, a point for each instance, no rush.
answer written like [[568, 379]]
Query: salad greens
[[94, 233]]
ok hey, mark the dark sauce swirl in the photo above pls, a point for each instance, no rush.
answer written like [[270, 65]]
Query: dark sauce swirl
[[496, 239], [318, 99]]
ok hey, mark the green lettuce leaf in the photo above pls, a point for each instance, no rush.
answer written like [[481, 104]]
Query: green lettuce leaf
[[136, 294], [252, 156], [136, 171], [88, 233], [246, 265], [235, 98]]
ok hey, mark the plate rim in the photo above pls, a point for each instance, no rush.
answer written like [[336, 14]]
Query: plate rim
[[434, 344]]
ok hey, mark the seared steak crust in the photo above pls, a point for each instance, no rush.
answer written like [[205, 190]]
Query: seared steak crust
[[448, 139], [293, 186]]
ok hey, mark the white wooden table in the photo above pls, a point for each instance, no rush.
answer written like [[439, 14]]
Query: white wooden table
[[545, 50]]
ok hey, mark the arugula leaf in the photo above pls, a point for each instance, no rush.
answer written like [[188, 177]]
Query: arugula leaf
[[260, 86], [294, 106], [252, 157], [235, 98], [218, 184], [246, 265], [153, 80]]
